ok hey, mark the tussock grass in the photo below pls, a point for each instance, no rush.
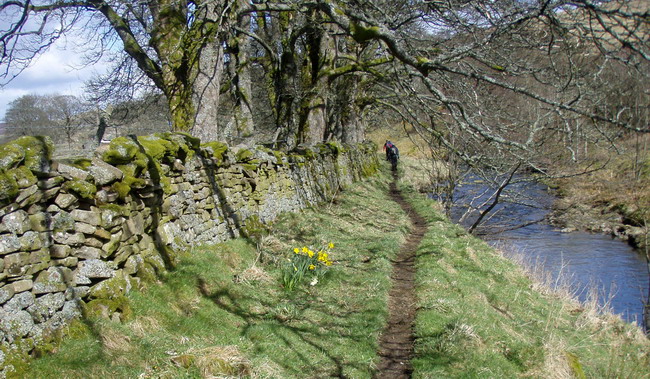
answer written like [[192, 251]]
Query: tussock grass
[[222, 313]]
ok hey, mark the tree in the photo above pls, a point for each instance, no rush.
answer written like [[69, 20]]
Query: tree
[[174, 43], [68, 114], [460, 56], [26, 115], [54, 115], [498, 84]]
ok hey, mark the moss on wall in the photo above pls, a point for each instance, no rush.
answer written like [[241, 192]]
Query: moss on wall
[[216, 150], [81, 188], [123, 223]]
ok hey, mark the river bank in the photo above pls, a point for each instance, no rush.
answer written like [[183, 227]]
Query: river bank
[[597, 218], [614, 199]]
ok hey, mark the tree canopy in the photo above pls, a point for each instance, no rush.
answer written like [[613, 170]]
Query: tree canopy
[[512, 74]]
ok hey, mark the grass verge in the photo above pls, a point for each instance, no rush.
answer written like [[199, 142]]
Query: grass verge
[[481, 315], [224, 313]]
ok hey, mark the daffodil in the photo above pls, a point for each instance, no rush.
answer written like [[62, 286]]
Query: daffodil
[[296, 250], [310, 253], [312, 267], [330, 245], [305, 249]]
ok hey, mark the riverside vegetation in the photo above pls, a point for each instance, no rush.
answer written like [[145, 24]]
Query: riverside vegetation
[[614, 199], [223, 311]]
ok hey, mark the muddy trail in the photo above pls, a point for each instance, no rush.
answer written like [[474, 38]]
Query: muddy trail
[[396, 341]]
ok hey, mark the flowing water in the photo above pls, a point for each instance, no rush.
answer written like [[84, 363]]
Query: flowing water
[[587, 261]]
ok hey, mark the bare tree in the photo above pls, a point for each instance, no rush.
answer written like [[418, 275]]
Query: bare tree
[[68, 114], [61, 117], [504, 85], [326, 62], [26, 116], [174, 43]]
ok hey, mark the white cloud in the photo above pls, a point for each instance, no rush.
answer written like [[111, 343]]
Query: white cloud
[[55, 71]]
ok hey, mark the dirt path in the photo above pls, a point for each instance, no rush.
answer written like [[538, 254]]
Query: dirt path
[[396, 341]]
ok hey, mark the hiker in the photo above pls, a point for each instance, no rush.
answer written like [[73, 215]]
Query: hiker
[[387, 147], [392, 154]]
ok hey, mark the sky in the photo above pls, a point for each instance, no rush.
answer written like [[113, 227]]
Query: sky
[[52, 72]]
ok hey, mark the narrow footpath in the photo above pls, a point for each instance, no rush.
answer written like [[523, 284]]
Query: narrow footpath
[[396, 341]]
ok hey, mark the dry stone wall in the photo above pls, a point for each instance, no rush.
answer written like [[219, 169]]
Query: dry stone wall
[[76, 237]]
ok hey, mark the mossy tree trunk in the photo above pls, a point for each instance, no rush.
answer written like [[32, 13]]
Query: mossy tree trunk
[[241, 124], [185, 63]]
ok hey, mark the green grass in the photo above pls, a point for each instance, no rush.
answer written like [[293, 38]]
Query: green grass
[[226, 304], [224, 313], [481, 316]]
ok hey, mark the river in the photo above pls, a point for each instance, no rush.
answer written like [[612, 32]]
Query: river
[[586, 261]]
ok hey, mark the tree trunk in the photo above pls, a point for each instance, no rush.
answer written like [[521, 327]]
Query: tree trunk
[[206, 91], [241, 124]]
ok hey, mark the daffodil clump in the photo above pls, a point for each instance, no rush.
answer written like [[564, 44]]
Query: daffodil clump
[[306, 263]]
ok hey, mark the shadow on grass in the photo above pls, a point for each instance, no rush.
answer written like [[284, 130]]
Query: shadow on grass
[[298, 342]]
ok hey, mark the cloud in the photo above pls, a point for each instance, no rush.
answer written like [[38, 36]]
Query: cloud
[[55, 71]]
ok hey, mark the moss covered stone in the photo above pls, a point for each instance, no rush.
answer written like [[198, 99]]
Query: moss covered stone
[[122, 189], [187, 144], [244, 155], [105, 308], [157, 147], [134, 182], [8, 188], [120, 151], [38, 152], [130, 169], [81, 188], [251, 166], [23, 176], [166, 184], [216, 149], [82, 163], [16, 359], [115, 287], [11, 155]]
